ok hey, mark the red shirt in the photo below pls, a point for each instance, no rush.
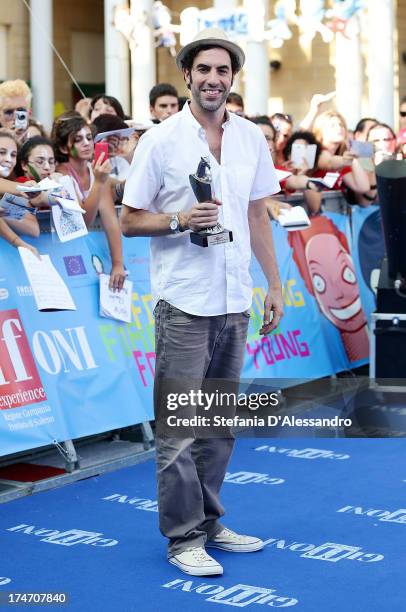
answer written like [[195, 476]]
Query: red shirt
[[283, 181]]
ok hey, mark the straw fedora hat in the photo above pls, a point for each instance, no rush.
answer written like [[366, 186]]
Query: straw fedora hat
[[215, 37]]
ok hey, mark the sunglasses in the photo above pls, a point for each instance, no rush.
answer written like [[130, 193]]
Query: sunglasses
[[402, 113], [10, 111]]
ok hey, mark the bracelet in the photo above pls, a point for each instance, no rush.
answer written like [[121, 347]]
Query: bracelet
[[368, 197], [317, 186], [309, 185]]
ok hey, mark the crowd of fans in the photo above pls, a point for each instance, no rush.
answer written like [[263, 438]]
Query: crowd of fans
[[28, 155]]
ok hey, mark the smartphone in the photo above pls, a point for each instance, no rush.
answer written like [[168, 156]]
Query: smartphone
[[99, 148], [306, 151], [362, 149]]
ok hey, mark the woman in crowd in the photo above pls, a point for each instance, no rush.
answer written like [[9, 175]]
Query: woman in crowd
[[74, 149], [306, 139], [36, 160], [105, 105], [385, 146], [401, 140], [362, 128], [35, 128], [268, 130], [28, 224], [283, 125], [300, 179], [384, 141], [331, 131], [265, 124], [117, 144]]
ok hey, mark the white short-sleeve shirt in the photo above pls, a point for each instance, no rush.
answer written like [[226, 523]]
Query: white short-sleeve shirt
[[202, 281]]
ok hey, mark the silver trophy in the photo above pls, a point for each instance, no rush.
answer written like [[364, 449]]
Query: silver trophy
[[201, 185]]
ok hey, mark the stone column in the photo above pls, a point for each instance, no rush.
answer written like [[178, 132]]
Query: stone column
[[116, 52], [256, 70], [349, 76], [381, 24], [143, 62], [41, 61]]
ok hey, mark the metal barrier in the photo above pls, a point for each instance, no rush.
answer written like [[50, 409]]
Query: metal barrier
[[332, 201]]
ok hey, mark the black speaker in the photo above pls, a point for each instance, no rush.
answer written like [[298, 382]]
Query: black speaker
[[390, 347], [391, 182]]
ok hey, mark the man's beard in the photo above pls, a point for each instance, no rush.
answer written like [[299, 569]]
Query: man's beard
[[208, 105]]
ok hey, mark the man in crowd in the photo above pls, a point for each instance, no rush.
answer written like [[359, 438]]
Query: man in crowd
[[163, 102], [15, 104], [202, 295]]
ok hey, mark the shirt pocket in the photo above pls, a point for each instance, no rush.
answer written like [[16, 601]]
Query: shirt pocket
[[242, 179]]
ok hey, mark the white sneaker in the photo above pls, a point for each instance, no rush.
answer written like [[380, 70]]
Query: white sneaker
[[197, 562], [233, 542]]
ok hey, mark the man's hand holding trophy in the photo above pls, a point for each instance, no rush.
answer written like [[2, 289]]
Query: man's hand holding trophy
[[202, 188]]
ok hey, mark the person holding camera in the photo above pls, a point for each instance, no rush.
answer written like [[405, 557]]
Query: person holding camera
[[15, 105]]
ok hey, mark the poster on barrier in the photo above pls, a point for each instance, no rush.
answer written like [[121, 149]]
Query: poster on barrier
[[324, 261], [59, 378], [298, 348]]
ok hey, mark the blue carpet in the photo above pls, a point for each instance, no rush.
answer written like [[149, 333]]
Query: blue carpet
[[327, 560]]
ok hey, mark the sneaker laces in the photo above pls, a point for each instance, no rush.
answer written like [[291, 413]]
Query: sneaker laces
[[228, 532], [199, 554]]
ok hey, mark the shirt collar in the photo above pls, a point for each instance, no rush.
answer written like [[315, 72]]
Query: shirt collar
[[194, 122]]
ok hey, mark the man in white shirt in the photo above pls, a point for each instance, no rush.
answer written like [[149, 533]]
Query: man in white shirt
[[202, 295]]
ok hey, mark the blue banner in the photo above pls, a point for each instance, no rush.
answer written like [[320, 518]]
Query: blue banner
[[96, 373], [65, 375]]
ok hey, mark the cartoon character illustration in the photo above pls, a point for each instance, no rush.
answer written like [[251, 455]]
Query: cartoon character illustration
[[323, 258]]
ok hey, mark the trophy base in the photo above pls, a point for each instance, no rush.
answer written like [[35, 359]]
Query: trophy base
[[205, 240]]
